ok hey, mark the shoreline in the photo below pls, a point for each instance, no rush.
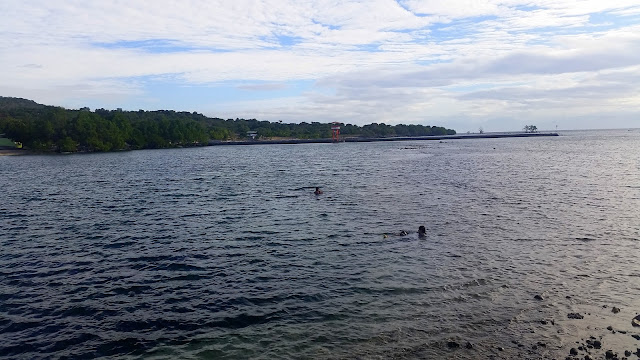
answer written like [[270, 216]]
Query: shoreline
[[15, 152], [377, 139], [18, 152]]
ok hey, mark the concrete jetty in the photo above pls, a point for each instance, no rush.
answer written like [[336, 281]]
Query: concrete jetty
[[395, 138]]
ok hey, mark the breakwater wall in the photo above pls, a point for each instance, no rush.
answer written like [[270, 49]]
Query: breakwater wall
[[372, 139]]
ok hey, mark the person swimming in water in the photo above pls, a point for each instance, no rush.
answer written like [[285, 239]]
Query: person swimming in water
[[422, 232], [318, 191], [401, 233]]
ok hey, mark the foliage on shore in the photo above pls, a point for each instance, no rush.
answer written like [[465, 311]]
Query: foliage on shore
[[50, 128]]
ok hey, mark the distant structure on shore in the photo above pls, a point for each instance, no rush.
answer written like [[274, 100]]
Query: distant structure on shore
[[335, 131]]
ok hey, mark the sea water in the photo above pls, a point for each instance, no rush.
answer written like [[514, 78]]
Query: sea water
[[226, 253]]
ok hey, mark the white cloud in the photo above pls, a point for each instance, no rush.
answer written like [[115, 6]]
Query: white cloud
[[379, 60], [455, 9], [263, 87]]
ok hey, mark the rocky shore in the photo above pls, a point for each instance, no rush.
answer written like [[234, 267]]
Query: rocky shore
[[617, 343], [607, 332]]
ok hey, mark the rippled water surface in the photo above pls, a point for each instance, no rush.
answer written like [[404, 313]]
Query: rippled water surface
[[225, 252]]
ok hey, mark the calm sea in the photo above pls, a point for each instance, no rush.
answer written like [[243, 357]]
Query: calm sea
[[226, 253]]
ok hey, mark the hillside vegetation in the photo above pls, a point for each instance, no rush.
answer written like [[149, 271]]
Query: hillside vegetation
[[51, 128]]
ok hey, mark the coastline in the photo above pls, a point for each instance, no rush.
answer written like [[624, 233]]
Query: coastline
[[376, 139], [17, 152], [14, 152]]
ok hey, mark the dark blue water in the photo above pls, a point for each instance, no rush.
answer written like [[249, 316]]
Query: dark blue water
[[225, 252]]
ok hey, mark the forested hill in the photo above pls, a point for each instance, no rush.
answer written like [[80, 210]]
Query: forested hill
[[10, 103], [51, 128]]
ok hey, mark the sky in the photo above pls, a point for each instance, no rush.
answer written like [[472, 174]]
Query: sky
[[462, 64]]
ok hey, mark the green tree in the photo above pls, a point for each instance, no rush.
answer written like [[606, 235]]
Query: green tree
[[68, 145]]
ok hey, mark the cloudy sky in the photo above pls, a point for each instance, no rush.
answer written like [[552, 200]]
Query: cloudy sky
[[462, 64]]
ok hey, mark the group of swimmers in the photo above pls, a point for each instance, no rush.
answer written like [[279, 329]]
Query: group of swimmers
[[422, 231]]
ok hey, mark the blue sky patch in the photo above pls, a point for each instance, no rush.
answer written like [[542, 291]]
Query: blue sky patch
[[180, 97], [288, 41], [154, 46], [607, 20]]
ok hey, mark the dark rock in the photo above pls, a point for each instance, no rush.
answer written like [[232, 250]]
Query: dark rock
[[543, 322], [636, 321], [597, 344], [627, 353], [635, 336], [588, 357], [615, 310], [541, 344], [575, 316], [469, 345], [453, 345], [610, 328], [573, 351], [609, 354], [500, 348], [538, 297]]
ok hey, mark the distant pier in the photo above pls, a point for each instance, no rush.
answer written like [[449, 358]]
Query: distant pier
[[396, 138]]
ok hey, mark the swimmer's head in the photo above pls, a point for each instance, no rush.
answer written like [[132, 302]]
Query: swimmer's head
[[422, 230]]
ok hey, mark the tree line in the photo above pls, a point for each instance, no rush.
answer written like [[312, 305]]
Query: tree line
[[50, 128]]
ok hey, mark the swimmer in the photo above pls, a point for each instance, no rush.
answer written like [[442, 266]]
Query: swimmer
[[318, 191], [401, 233], [422, 232]]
